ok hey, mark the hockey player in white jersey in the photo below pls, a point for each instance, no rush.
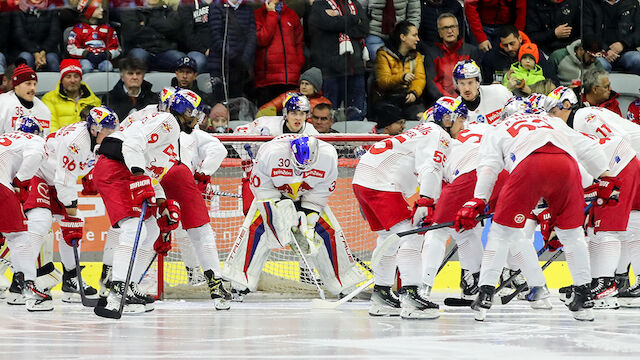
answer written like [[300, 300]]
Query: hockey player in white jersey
[[484, 102], [22, 101], [540, 154], [301, 169], [22, 152], [386, 176]]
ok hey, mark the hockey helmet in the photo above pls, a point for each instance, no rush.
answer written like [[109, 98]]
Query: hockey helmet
[[295, 102], [187, 102], [304, 152], [466, 69], [559, 95], [101, 117], [29, 125], [516, 105], [447, 107], [165, 97]]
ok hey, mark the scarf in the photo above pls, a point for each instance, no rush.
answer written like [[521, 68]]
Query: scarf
[[345, 45]]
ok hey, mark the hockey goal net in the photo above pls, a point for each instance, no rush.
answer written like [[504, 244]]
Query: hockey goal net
[[178, 274]]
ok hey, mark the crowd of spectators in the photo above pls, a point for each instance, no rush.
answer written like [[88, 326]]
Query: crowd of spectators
[[354, 59]]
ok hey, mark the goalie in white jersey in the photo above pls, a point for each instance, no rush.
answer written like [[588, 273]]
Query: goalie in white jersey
[[22, 153], [305, 170], [385, 177], [540, 154]]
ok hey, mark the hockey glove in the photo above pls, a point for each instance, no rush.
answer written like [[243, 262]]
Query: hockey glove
[[422, 213], [88, 186], [247, 166], [607, 189], [169, 216], [72, 229], [2, 240], [21, 188], [201, 181], [548, 234], [466, 216], [141, 190], [162, 244]]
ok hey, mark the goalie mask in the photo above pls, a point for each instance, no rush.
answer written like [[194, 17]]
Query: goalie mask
[[165, 97], [29, 124], [101, 117], [187, 103], [304, 152]]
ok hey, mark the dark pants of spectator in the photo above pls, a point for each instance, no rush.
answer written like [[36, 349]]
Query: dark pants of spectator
[[164, 61], [628, 62], [53, 61], [267, 93], [237, 83], [350, 90]]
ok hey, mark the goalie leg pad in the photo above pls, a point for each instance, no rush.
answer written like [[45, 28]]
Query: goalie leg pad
[[604, 252], [278, 218]]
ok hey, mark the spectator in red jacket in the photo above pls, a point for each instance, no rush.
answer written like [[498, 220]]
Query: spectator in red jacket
[[279, 50], [442, 57], [486, 17], [94, 42], [597, 90], [633, 112]]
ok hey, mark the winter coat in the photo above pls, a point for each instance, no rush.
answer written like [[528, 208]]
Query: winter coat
[[611, 23], [122, 103], [439, 62], [530, 77], [240, 42], [324, 31], [390, 69], [610, 104], [160, 32], [196, 35], [568, 66], [544, 16], [280, 47], [64, 110], [95, 38], [36, 30], [494, 12], [429, 20], [276, 103], [405, 10]]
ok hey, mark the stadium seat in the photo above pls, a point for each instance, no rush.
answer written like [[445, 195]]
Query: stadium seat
[[159, 80], [627, 86], [101, 82], [47, 81], [354, 127], [204, 83]]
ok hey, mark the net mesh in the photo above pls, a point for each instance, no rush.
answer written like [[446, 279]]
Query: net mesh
[[182, 278]]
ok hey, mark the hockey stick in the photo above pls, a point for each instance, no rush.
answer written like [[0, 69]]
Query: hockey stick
[[313, 274], [506, 299], [148, 267], [85, 301], [101, 311], [448, 257]]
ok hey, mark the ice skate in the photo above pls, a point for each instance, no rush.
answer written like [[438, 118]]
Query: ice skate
[[105, 281], [147, 299], [35, 299], [579, 303], [15, 296], [384, 302], [604, 293], [196, 277], [71, 291], [238, 295], [565, 293], [132, 305], [415, 306], [469, 284], [628, 296], [483, 302], [48, 277], [538, 297], [221, 297], [4, 285]]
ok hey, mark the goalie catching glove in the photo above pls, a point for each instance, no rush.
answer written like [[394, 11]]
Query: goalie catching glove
[[607, 189], [422, 214], [548, 234], [466, 216], [169, 216], [72, 229]]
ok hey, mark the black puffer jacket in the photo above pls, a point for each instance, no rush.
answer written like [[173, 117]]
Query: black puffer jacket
[[36, 30], [155, 29], [611, 23], [544, 16], [122, 103]]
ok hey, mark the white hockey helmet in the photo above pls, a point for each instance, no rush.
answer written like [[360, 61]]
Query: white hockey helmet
[[561, 94], [29, 124], [165, 97], [466, 69], [304, 152], [516, 105], [295, 102]]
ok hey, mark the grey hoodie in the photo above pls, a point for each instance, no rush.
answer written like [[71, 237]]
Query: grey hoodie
[[568, 66]]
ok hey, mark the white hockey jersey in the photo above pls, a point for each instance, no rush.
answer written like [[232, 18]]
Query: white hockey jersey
[[21, 155], [138, 115], [201, 151], [492, 100], [274, 175], [604, 123], [512, 140], [271, 125], [69, 156], [402, 163], [11, 109], [463, 157]]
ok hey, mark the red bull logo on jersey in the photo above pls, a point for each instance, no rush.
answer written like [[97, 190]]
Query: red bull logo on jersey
[[493, 116], [313, 172], [165, 126], [444, 142], [74, 148], [590, 117], [281, 172], [156, 171]]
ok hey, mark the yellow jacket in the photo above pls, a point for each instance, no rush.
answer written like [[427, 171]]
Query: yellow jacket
[[390, 70], [64, 110]]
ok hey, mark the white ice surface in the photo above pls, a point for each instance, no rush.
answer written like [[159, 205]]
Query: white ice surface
[[292, 330]]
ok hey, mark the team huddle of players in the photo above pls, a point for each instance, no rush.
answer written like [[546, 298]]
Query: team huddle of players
[[543, 159]]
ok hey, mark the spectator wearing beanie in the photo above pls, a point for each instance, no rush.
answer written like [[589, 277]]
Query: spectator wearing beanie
[[525, 72], [310, 86], [36, 35], [217, 121], [22, 100], [70, 96], [388, 118], [94, 42]]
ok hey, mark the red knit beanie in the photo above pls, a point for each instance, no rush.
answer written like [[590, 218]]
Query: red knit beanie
[[70, 66], [23, 73]]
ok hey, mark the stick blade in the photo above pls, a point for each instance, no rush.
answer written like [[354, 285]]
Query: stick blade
[[457, 302], [89, 302], [324, 304], [110, 314]]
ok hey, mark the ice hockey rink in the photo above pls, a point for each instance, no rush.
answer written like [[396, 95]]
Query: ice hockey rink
[[291, 329]]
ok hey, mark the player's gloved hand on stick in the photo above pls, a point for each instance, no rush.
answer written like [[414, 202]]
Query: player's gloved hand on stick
[[202, 181], [72, 229], [21, 188], [548, 234], [141, 190], [169, 216], [422, 212], [161, 246], [466, 216], [607, 189], [88, 186]]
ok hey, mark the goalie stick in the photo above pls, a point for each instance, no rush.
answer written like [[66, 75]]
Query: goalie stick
[[85, 301]]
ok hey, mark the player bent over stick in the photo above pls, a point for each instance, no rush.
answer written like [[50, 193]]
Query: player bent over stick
[[540, 154], [384, 178], [132, 163], [303, 170]]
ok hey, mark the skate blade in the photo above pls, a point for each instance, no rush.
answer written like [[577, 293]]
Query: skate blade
[[480, 314], [606, 303], [221, 304], [583, 315], [149, 307], [542, 304], [629, 302], [416, 314], [71, 297], [133, 309], [15, 299], [382, 310], [33, 307]]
